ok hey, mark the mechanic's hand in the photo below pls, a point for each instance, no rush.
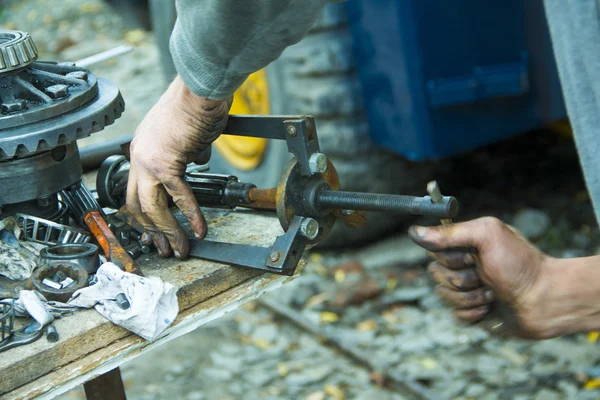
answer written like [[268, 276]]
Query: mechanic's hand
[[506, 268], [178, 130]]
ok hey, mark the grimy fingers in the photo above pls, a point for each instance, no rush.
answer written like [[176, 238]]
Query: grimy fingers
[[473, 314], [474, 234], [154, 203], [183, 197], [453, 259], [469, 299], [134, 212], [458, 280]]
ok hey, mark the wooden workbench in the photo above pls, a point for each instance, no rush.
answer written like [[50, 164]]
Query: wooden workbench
[[90, 345]]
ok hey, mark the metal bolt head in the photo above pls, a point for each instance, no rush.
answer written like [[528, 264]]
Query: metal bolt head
[[57, 91], [122, 301], [291, 130], [309, 228], [78, 75], [274, 257], [13, 106], [317, 163]]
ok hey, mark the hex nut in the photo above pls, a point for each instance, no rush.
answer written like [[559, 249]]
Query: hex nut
[[13, 106], [274, 256], [291, 130], [309, 228], [317, 163], [78, 75], [57, 91]]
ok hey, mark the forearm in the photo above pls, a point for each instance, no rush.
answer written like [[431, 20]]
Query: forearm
[[570, 298], [216, 44]]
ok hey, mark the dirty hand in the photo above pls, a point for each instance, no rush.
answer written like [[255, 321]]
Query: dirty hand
[[178, 130], [535, 292]]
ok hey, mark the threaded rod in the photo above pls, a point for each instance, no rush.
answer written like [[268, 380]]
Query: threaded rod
[[329, 199]]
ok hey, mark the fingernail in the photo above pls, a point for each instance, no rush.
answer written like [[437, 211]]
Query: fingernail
[[420, 231], [177, 254], [489, 295], [197, 236]]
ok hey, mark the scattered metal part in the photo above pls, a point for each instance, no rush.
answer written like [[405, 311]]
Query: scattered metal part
[[28, 334], [104, 56], [134, 252], [84, 254], [59, 276], [123, 238], [66, 283], [406, 386], [17, 50], [51, 334], [42, 276], [7, 319], [51, 283], [122, 301], [86, 209], [49, 233], [135, 235], [143, 248], [317, 163]]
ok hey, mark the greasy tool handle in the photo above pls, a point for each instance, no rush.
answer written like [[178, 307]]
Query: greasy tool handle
[[331, 199], [109, 243]]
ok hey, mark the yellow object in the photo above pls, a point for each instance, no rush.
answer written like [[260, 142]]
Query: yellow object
[[592, 384], [365, 326], [328, 317], [334, 391], [246, 153], [593, 337], [339, 275]]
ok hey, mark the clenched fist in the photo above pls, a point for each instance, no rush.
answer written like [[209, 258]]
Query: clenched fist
[[484, 263]]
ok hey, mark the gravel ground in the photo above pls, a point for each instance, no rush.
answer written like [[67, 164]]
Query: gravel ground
[[377, 299]]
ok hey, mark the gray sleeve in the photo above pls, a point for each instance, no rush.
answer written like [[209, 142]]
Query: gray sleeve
[[216, 44], [575, 31]]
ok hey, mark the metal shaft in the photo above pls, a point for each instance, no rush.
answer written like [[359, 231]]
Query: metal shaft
[[329, 199]]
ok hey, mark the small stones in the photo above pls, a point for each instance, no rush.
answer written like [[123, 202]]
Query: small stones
[[532, 223]]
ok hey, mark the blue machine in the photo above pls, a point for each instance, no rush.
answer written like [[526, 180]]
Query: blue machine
[[444, 77]]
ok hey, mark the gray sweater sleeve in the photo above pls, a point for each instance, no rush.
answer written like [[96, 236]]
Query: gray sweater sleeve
[[216, 44]]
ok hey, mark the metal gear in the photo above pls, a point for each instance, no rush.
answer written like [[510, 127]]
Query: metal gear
[[44, 105]]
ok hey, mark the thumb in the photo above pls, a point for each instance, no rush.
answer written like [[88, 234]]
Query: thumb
[[471, 234]]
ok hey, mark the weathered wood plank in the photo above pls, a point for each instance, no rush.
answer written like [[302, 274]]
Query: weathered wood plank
[[126, 349], [86, 331]]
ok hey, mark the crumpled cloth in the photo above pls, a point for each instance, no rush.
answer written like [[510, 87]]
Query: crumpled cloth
[[16, 261], [33, 304], [153, 303]]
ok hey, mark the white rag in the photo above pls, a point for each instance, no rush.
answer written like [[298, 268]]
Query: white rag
[[153, 303]]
